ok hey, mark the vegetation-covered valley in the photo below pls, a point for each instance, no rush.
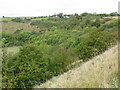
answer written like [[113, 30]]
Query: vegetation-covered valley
[[46, 47]]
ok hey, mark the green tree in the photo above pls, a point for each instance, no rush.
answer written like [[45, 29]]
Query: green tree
[[17, 20], [60, 15], [114, 14], [97, 23]]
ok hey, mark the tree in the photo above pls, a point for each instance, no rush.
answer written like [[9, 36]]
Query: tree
[[17, 20], [77, 16], [114, 14], [84, 14], [60, 15], [97, 22], [3, 16]]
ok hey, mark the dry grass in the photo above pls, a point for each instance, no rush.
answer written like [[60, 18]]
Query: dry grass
[[10, 50], [11, 27], [111, 19], [92, 74]]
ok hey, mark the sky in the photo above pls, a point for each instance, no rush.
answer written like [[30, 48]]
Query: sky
[[13, 8]]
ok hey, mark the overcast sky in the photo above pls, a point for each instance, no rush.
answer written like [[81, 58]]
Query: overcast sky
[[50, 7]]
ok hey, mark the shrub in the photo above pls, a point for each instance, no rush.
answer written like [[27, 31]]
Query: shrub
[[17, 20], [4, 42], [6, 39], [95, 43], [31, 66], [59, 61], [28, 68]]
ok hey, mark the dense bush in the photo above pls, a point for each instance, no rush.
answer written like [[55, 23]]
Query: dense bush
[[112, 24], [95, 43], [68, 23], [59, 60], [17, 39], [30, 66], [17, 20], [25, 68], [6, 39]]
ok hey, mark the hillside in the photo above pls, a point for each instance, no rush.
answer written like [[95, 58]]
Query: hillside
[[39, 50], [11, 27], [96, 73]]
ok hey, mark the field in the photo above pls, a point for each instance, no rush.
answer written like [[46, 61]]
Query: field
[[11, 27]]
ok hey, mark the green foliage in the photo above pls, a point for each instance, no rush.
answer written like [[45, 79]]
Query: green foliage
[[58, 44], [114, 14], [95, 43], [30, 66], [17, 20], [4, 42], [6, 39], [27, 19], [60, 15], [60, 59], [84, 14], [114, 80], [27, 66], [97, 23], [53, 28], [111, 25], [17, 39], [59, 23]]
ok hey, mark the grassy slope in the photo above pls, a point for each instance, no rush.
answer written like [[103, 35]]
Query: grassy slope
[[112, 19], [92, 74], [11, 27]]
